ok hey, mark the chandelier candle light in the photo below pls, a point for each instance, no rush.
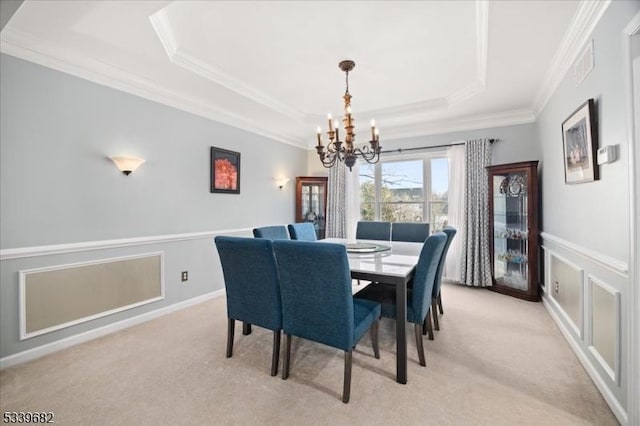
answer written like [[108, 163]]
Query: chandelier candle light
[[339, 151]]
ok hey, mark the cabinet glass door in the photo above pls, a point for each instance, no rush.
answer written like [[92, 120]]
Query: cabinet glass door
[[511, 230], [311, 199]]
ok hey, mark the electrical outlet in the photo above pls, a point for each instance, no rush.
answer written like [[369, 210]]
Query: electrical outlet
[[185, 276]]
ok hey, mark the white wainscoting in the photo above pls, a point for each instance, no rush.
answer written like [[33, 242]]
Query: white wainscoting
[[17, 253], [603, 339], [592, 326], [60, 296], [42, 259], [566, 289]]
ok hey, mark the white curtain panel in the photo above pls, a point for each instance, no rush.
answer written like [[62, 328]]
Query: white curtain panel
[[476, 262], [452, 267], [336, 201]]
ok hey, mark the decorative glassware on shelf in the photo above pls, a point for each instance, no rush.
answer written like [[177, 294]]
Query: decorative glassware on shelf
[[513, 256], [512, 234], [514, 227]]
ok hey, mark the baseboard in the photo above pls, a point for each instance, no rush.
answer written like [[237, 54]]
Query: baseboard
[[611, 400], [59, 345]]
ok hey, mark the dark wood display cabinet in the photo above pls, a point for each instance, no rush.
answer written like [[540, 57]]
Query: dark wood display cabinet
[[311, 202], [513, 228]]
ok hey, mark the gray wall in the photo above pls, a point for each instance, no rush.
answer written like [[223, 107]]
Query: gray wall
[[58, 186], [588, 224], [595, 214], [516, 143]]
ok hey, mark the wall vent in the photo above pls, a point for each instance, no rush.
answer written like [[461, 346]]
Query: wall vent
[[584, 63]]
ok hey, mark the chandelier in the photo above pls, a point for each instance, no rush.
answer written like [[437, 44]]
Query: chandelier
[[345, 151]]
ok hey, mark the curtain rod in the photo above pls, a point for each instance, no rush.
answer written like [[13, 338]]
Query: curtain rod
[[430, 147]]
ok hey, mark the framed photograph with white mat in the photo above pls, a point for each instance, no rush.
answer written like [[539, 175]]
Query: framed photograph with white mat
[[580, 142]]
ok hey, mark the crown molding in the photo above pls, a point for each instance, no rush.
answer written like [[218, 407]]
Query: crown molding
[[46, 53], [33, 49], [582, 25], [475, 122], [163, 28], [162, 25]]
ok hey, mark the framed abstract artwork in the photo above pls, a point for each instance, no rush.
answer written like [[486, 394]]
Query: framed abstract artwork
[[225, 171], [580, 141]]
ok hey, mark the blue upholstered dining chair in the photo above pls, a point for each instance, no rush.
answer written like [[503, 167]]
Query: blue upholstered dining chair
[[436, 300], [415, 232], [252, 286], [373, 231], [419, 295], [304, 231], [277, 232], [317, 301]]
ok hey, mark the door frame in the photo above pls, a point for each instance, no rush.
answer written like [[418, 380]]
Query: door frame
[[633, 317]]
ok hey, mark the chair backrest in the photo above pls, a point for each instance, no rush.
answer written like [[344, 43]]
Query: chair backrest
[[302, 231], [373, 231], [317, 301], [277, 232], [450, 231], [251, 281], [425, 275], [416, 232]]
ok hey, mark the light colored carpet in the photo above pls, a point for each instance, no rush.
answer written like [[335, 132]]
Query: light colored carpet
[[496, 361]]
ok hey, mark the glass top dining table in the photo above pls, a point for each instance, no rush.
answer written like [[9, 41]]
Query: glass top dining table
[[391, 262]]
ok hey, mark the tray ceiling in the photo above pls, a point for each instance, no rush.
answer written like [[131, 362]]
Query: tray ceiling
[[272, 67]]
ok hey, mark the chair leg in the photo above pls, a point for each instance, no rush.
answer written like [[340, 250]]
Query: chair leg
[[426, 325], [434, 314], [275, 357], [374, 338], [418, 332], [429, 327], [231, 325], [246, 328], [287, 355], [440, 304], [346, 390]]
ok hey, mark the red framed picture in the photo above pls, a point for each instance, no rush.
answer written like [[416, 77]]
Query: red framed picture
[[225, 171]]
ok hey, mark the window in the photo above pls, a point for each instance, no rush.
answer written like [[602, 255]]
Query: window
[[406, 190]]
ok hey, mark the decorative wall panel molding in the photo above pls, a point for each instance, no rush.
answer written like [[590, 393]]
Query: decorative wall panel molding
[[603, 338], [57, 297], [565, 285]]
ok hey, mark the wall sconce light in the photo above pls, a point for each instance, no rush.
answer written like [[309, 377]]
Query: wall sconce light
[[127, 164], [281, 182]]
